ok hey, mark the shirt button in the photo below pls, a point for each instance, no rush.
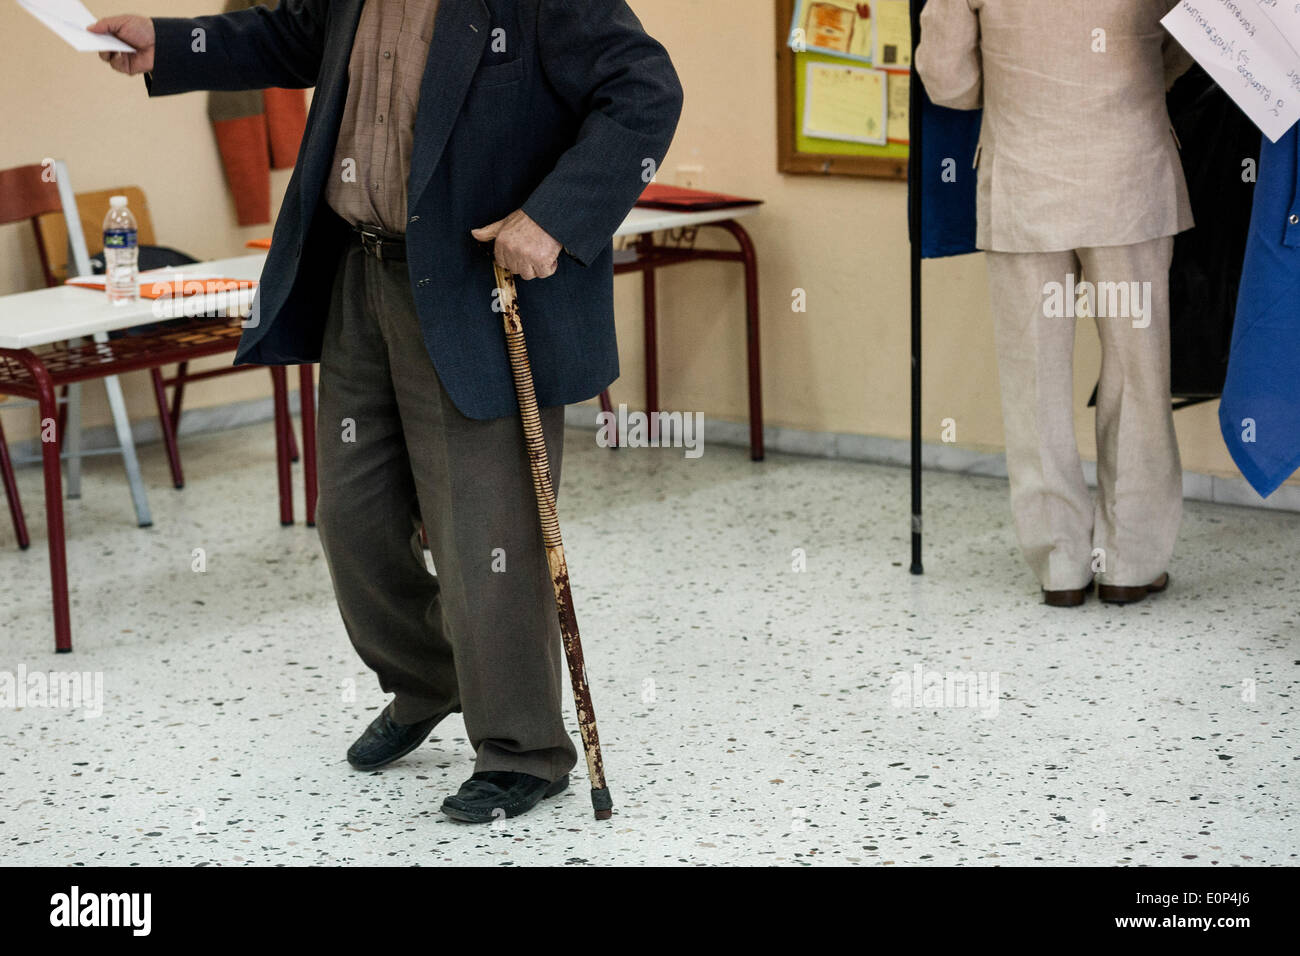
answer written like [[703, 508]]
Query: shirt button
[[381, 117], [1294, 220], [388, 55]]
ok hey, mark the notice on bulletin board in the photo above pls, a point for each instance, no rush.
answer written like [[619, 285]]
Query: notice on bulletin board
[[892, 20], [838, 27], [900, 106], [846, 103]]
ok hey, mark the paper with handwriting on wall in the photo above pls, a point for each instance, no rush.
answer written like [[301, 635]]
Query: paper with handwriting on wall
[[899, 126], [893, 35], [69, 19], [1243, 51]]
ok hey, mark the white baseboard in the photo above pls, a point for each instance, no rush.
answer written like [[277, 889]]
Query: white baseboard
[[790, 441], [938, 457]]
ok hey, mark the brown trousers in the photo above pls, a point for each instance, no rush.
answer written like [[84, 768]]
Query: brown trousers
[[481, 636]]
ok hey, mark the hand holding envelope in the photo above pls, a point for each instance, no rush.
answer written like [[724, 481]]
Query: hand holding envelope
[[136, 31], [124, 42], [69, 19]]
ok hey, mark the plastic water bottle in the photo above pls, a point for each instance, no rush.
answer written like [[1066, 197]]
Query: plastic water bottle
[[121, 254]]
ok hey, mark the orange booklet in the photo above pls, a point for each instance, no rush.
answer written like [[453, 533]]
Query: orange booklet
[[689, 200], [161, 288]]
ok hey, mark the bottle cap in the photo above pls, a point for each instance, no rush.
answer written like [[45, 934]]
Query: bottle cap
[[117, 202]]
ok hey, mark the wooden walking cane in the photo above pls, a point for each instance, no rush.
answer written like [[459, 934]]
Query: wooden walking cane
[[601, 801]]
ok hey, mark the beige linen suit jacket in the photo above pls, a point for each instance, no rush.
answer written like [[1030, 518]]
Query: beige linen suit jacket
[[1076, 148]]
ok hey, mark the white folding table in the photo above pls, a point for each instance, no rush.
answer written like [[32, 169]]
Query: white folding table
[[60, 336]]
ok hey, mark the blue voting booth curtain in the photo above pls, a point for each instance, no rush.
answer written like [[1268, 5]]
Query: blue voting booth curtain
[[1260, 411], [948, 141]]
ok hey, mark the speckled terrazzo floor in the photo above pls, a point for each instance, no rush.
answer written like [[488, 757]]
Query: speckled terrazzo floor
[[745, 707]]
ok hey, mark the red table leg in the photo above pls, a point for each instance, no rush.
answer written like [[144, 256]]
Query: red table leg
[[178, 393], [307, 402], [279, 379], [752, 337], [293, 447], [49, 408], [63, 417], [168, 427]]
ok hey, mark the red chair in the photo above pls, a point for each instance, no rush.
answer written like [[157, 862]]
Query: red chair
[[27, 192]]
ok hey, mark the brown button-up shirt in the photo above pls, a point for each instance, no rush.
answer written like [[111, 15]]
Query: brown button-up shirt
[[372, 160]]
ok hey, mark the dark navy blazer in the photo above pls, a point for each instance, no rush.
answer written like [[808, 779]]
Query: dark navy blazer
[[568, 123]]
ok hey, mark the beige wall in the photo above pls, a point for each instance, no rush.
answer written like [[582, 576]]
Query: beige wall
[[841, 366]]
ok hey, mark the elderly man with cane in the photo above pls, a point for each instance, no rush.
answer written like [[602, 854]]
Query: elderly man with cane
[[437, 125]]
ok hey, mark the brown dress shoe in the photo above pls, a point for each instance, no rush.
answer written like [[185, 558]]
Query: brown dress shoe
[[1068, 598], [1113, 594]]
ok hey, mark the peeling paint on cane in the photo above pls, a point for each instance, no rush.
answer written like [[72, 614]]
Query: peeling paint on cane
[[539, 463]]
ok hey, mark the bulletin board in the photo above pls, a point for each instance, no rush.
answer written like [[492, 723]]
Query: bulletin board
[[842, 95]]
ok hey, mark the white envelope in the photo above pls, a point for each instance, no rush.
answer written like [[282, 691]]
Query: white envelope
[[69, 19]]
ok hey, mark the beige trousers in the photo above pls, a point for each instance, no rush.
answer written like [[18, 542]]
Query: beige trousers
[[1126, 536]]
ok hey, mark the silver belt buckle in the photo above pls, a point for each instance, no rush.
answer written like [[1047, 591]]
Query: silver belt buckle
[[372, 241]]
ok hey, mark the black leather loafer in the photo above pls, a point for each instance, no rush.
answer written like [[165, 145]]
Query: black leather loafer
[[492, 794], [385, 740]]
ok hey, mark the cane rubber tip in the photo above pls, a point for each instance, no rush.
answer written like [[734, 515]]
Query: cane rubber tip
[[917, 569], [602, 803], [604, 814]]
